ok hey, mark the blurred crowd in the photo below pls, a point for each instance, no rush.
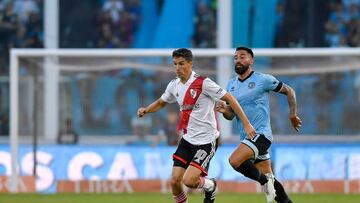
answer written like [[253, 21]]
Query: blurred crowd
[[323, 23], [117, 23], [343, 25], [21, 26], [205, 25]]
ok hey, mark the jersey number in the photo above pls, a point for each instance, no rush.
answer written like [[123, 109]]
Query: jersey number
[[200, 155], [255, 137]]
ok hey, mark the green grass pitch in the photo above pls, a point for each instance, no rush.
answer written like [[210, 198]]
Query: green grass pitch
[[166, 198]]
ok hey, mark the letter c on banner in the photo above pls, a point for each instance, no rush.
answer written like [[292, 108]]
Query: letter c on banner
[[80, 161]]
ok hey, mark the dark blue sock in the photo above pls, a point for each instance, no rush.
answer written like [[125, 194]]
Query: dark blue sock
[[281, 195], [248, 169]]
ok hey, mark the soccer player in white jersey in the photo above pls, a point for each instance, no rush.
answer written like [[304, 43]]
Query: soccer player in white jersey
[[251, 89], [196, 96]]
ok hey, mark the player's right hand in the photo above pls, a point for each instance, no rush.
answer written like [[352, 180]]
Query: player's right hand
[[250, 131], [141, 112]]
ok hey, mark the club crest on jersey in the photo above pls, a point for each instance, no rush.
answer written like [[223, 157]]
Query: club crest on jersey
[[251, 85], [193, 93]]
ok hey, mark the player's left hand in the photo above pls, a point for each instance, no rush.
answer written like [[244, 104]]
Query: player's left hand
[[250, 131], [220, 106], [296, 122]]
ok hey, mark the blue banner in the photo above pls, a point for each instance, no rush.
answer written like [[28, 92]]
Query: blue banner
[[317, 162], [102, 162]]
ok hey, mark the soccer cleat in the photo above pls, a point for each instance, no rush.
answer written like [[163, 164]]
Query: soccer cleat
[[268, 188], [210, 195]]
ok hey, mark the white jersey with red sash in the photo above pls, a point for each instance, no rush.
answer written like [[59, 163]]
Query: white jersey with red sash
[[196, 98]]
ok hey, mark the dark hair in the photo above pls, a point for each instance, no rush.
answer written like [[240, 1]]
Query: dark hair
[[248, 50], [183, 52]]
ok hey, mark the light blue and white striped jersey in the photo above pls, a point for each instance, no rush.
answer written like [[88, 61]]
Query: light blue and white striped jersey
[[253, 95]]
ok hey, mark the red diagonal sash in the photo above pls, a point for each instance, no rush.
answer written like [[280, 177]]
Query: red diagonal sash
[[191, 96]]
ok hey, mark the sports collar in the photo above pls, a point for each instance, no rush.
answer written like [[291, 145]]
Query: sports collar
[[246, 77]]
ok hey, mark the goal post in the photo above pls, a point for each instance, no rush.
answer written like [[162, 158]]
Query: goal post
[[319, 61]]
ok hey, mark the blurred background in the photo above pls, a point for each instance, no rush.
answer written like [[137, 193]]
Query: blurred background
[[97, 135]]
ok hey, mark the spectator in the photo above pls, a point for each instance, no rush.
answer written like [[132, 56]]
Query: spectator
[[354, 32], [68, 135], [333, 36], [4, 124], [170, 131], [8, 23], [141, 128], [133, 8], [205, 27], [118, 23], [114, 7], [125, 30], [279, 21], [24, 8]]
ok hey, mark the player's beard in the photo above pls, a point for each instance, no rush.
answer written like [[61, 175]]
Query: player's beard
[[241, 69]]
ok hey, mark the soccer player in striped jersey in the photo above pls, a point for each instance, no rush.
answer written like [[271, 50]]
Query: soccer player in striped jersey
[[197, 97], [251, 89]]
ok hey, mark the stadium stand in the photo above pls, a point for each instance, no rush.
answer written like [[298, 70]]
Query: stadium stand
[[145, 24]]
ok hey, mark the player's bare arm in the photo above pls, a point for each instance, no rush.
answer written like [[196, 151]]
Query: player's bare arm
[[226, 110], [153, 107], [291, 97], [235, 106]]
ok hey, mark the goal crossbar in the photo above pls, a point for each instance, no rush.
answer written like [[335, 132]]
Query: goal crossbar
[[270, 52]]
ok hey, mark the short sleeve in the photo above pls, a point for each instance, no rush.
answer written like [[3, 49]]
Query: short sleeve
[[213, 90], [271, 83], [168, 96], [229, 85]]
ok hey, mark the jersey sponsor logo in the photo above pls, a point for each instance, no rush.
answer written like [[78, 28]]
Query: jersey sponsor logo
[[232, 88], [251, 85], [188, 107], [193, 93]]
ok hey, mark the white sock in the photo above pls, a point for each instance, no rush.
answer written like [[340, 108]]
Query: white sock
[[181, 198], [206, 184]]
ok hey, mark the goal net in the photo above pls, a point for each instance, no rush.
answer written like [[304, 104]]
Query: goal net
[[99, 91]]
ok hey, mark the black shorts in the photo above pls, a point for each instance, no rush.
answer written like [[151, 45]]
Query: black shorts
[[198, 156], [260, 146]]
